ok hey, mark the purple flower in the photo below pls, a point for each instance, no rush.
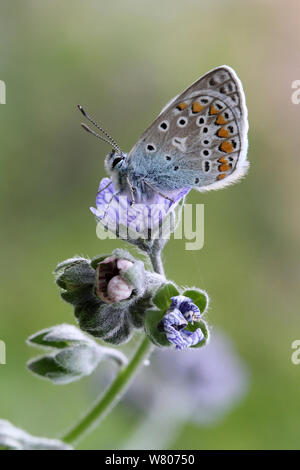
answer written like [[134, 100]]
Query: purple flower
[[182, 312], [189, 310], [117, 214], [201, 384]]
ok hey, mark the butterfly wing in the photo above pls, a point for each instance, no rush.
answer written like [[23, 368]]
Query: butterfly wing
[[199, 139]]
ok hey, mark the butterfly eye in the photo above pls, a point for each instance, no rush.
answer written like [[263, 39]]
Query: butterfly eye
[[182, 122], [164, 126], [150, 148]]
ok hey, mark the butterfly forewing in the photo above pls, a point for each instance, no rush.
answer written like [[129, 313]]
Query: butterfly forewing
[[199, 139]]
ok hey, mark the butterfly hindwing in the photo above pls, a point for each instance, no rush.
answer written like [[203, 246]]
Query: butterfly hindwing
[[199, 139]]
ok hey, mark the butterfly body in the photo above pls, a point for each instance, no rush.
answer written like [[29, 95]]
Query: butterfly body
[[199, 140]]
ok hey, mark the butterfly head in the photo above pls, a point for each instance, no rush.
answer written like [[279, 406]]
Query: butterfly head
[[114, 161]]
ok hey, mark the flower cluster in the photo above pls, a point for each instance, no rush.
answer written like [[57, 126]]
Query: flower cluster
[[115, 294], [174, 323], [143, 225], [110, 293], [179, 324], [198, 386]]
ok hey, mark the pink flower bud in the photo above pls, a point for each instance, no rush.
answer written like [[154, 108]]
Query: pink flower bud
[[110, 284], [118, 289]]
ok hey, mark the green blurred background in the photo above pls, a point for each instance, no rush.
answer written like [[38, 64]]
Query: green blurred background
[[124, 60]]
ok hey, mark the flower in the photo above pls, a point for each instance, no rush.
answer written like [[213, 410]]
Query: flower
[[199, 386], [111, 286], [190, 311], [209, 381], [176, 318], [137, 223], [110, 293], [181, 312]]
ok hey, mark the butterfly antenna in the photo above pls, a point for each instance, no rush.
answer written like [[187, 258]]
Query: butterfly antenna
[[112, 141], [86, 128]]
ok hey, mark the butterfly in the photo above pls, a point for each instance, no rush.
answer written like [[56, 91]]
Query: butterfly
[[199, 141]]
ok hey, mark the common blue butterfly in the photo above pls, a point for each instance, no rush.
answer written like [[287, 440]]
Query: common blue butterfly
[[199, 140]]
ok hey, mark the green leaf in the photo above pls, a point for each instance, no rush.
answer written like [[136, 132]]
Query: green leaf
[[199, 297], [153, 317], [47, 368], [77, 275], [58, 337], [38, 339], [69, 262], [162, 298]]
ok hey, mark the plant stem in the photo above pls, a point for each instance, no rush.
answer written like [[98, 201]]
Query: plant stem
[[111, 397], [156, 261], [116, 390]]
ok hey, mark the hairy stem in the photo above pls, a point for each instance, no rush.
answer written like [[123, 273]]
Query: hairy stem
[[156, 261], [111, 397], [106, 402]]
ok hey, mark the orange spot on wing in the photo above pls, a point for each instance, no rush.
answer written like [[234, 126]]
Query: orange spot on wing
[[220, 177], [223, 132], [224, 167], [197, 107], [222, 160], [182, 106], [226, 146], [220, 120], [213, 110]]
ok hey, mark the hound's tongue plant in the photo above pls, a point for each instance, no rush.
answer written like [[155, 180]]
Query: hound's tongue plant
[[114, 295]]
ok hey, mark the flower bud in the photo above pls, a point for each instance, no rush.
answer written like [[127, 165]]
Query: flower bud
[[174, 324], [13, 438], [177, 320], [111, 286], [73, 354], [110, 293]]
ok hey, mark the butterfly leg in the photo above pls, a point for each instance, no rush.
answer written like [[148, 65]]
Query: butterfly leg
[[106, 186], [108, 204], [131, 189], [158, 192]]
